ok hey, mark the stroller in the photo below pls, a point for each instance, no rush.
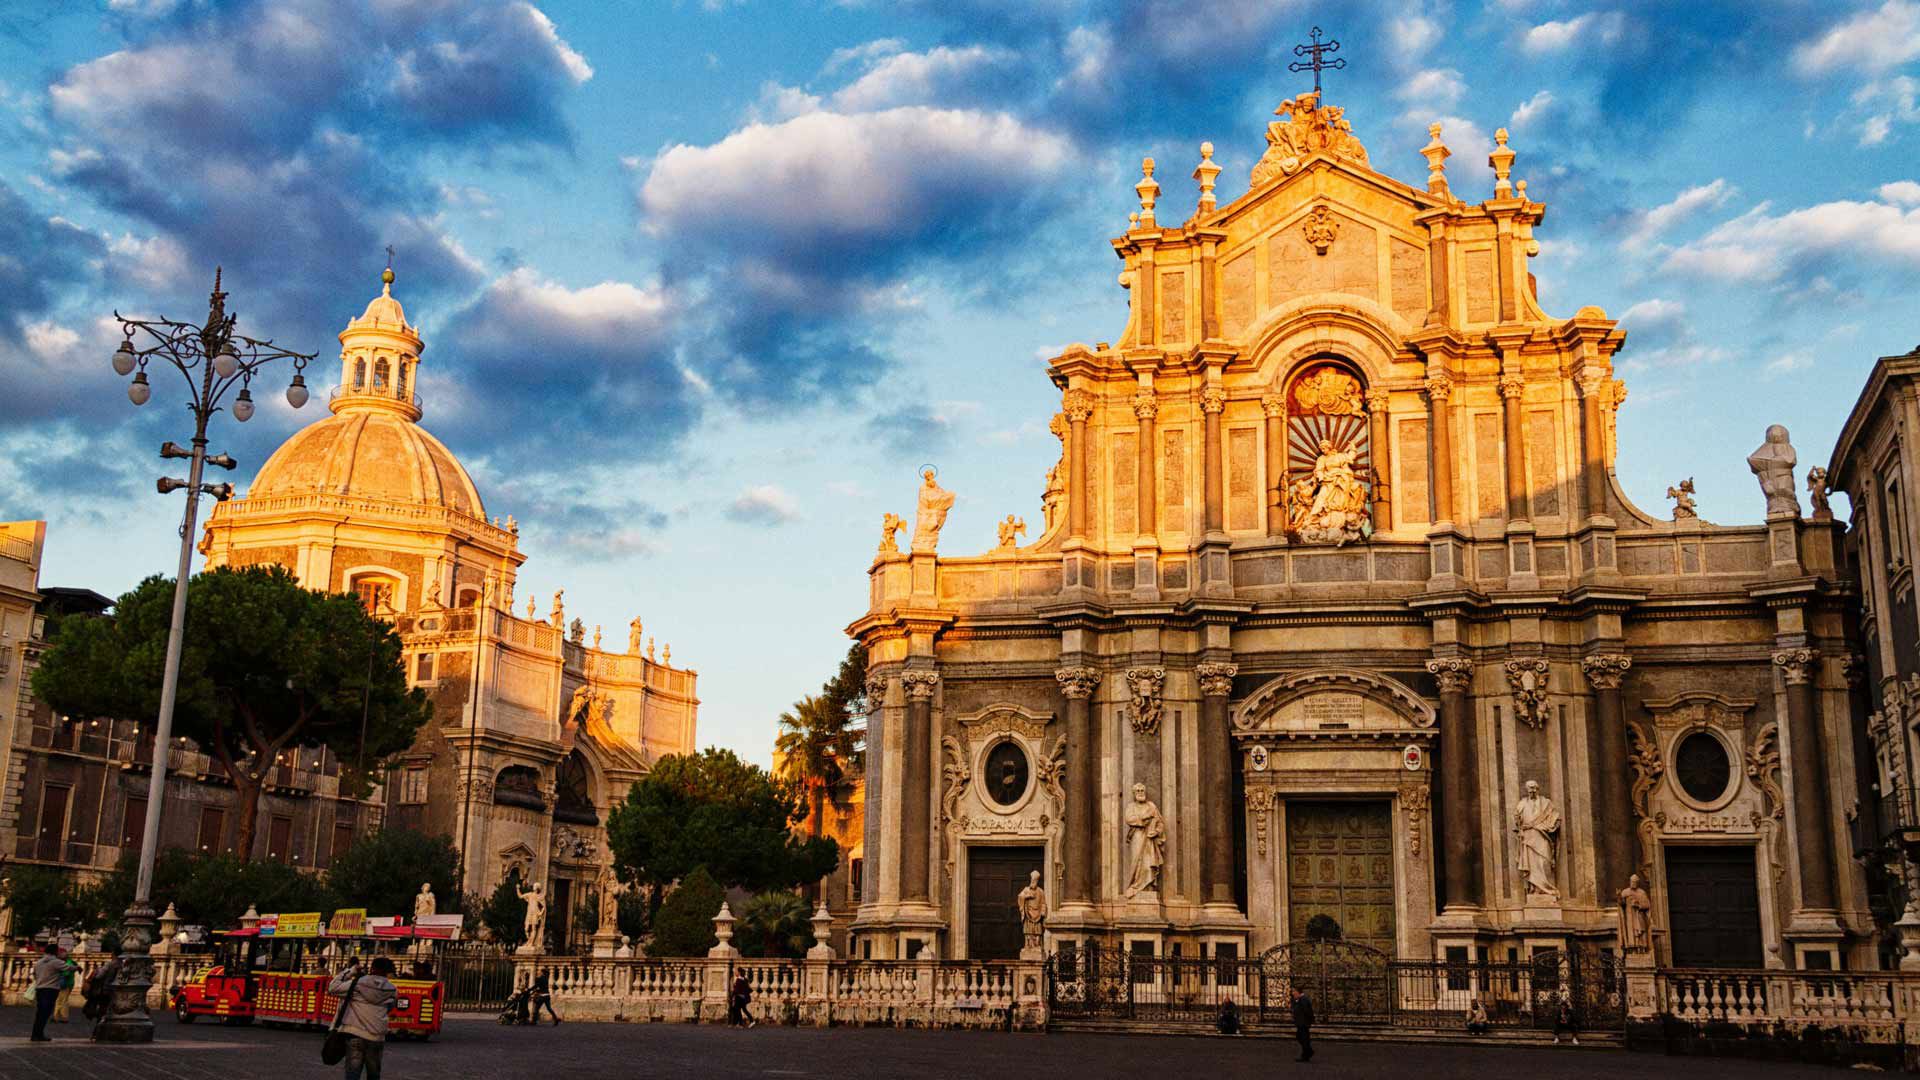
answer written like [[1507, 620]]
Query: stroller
[[519, 1008]]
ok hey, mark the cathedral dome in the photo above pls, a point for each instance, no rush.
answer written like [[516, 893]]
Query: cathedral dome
[[370, 454]]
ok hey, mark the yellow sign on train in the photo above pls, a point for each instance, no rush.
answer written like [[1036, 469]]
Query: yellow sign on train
[[304, 924]]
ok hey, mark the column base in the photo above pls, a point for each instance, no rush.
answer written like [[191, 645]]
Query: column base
[[1909, 930], [1814, 939]]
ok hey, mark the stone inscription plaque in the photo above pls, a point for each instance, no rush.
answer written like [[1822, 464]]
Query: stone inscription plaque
[[1344, 709]]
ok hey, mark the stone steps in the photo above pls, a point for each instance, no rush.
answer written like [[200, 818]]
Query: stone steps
[[1605, 1040]]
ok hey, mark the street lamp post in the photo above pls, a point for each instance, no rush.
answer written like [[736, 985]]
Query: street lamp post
[[212, 359]]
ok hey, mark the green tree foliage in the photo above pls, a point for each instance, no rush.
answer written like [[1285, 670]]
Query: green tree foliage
[[383, 872], [215, 890], [267, 667], [505, 914], [47, 898], [775, 924], [712, 809], [684, 924], [814, 744]]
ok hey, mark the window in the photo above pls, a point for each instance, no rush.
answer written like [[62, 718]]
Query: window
[[380, 370], [423, 668], [54, 799], [134, 823], [359, 374], [342, 837], [855, 868], [413, 784], [1896, 521], [1457, 978], [213, 826], [1700, 764], [1006, 779], [374, 591]]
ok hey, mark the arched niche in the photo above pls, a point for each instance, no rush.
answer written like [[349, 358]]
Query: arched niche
[[573, 793], [1329, 471], [518, 785]]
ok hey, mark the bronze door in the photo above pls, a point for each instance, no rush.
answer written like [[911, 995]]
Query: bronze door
[[995, 876], [1340, 865], [1713, 905]]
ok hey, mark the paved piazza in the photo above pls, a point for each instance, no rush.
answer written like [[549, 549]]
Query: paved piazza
[[480, 1050]]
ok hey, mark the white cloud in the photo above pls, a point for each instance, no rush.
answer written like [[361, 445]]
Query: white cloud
[[779, 103], [1468, 141], [50, 341], [1655, 314], [158, 262], [910, 78], [1087, 53], [1797, 360], [1871, 41], [864, 174], [1653, 224], [1438, 88], [1412, 35], [1890, 101], [576, 65], [1761, 246], [764, 504], [1901, 192], [871, 50], [1549, 37], [1531, 109]]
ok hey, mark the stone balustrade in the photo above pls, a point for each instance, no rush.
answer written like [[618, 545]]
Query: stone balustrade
[[1871, 1006], [169, 971], [818, 991]]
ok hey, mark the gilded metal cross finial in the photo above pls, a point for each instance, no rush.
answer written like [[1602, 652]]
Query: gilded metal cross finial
[[389, 256], [1317, 53]]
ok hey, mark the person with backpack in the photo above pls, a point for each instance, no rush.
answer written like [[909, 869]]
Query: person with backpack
[[366, 997]]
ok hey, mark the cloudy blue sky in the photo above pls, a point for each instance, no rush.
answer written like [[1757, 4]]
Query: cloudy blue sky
[[702, 282]]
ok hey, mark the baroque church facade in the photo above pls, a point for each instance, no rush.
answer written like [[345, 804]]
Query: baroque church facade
[[537, 729], [1339, 613]]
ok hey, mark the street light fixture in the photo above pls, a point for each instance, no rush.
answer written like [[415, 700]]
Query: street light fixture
[[211, 358]]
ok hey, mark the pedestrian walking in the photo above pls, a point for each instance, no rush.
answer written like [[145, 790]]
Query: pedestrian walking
[[1564, 1020], [542, 997], [1303, 1023], [47, 972], [62, 1004], [96, 993], [737, 1001], [367, 996]]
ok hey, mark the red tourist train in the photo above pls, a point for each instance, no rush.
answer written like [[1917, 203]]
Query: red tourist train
[[278, 972]]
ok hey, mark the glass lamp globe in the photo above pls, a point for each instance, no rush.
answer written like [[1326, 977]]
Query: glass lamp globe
[[123, 358], [297, 391], [243, 406], [139, 391], [225, 364]]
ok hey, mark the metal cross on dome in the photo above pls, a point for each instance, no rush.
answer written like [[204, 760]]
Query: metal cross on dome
[[1317, 53]]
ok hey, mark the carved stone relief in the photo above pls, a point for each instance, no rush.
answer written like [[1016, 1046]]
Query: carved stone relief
[[1528, 677], [1144, 686]]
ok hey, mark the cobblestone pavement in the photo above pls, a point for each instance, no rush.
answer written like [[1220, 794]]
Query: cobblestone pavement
[[474, 1049]]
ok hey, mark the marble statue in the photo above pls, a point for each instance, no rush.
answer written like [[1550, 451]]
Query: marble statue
[[1337, 510], [931, 515], [633, 636], [1682, 496], [535, 926], [1636, 917], [1011, 528], [610, 889], [559, 615], [890, 525], [1817, 494], [649, 650], [424, 903], [577, 632], [1146, 843], [1772, 465], [1032, 903], [1537, 821]]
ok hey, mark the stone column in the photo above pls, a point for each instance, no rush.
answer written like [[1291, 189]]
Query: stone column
[[1275, 406], [1611, 777], [1461, 865], [874, 837], [1439, 388], [1213, 401], [1082, 833], [1078, 405], [916, 806], [1812, 823], [1377, 433], [1593, 442], [1145, 408], [1216, 783], [1511, 388]]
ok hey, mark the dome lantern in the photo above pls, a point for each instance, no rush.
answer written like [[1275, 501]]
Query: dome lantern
[[379, 352]]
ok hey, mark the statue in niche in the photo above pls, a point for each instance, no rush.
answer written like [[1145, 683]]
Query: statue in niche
[[1334, 498], [1146, 843], [1032, 903], [1772, 465], [1537, 822], [424, 903], [535, 925], [931, 515], [1636, 917]]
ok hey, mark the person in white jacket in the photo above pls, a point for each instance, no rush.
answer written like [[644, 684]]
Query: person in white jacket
[[364, 1019]]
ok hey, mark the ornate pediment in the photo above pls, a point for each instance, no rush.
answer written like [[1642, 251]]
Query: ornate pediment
[[1305, 128], [1332, 701]]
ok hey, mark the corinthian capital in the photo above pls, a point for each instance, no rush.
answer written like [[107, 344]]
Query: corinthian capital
[[1378, 398], [919, 684], [1216, 680], [1512, 386], [1078, 405], [1796, 664], [1454, 674], [1275, 406], [1213, 399], [1078, 682], [1145, 404], [876, 692], [1439, 387], [1604, 670]]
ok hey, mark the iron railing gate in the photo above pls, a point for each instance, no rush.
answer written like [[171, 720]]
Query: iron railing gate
[[1348, 984], [477, 977]]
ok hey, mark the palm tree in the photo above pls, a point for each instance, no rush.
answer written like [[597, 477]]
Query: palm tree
[[815, 745]]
